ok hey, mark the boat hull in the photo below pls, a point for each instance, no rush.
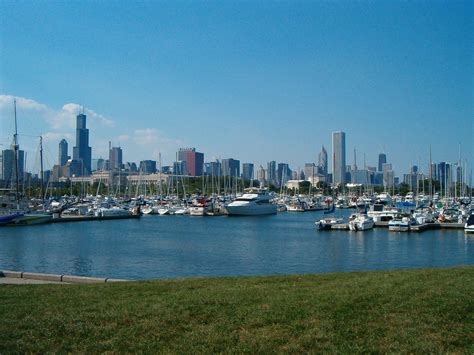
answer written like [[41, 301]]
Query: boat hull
[[251, 210], [31, 219]]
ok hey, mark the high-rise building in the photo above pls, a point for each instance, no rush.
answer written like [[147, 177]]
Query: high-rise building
[[131, 166], [310, 169], [230, 167], [388, 175], [212, 168], [382, 161], [247, 171], [271, 172], [148, 166], [322, 161], [115, 158], [8, 166], [339, 157], [62, 156], [194, 163], [444, 174], [101, 164], [434, 171], [179, 167], [284, 174], [261, 175], [82, 152]]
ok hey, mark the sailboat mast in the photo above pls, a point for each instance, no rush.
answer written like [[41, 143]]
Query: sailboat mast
[[41, 168], [15, 153]]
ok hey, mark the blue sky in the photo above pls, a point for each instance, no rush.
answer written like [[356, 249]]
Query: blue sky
[[253, 80]]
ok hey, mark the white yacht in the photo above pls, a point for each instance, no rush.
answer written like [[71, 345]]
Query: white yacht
[[381, 213], [254, 202], [361, 222]]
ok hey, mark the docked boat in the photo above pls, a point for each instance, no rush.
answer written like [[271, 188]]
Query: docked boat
[[401, 224], [9, 218], [254, 202], [112, 212], [469, 226], [381, 213], [29, 219], [327, 223], [200, 208], [296, 206], [150, 209], [361, 222]]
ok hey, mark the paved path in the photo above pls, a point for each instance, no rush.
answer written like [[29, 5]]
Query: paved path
[[18, 281]]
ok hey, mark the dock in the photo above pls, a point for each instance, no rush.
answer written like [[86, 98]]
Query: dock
[[416, 228], [90, 218]]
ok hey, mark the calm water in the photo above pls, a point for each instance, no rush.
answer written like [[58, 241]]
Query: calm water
[[179, 246]]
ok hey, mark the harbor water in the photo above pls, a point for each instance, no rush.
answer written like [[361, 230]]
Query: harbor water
[[154, 247]]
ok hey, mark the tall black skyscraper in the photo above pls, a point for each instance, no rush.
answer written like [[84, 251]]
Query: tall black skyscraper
[[62, 156], [382, 161], [82, 152]]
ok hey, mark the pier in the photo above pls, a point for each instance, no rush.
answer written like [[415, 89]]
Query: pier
[[414, 228], [90, 218]]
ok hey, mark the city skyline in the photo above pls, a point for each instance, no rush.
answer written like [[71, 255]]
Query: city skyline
[[82, 133], [196, 75]]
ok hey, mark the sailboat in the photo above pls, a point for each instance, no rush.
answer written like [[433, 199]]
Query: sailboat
[[328, 222], [13, 210]]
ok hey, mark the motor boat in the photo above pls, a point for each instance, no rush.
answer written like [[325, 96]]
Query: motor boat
[[327, 223], [361, 222], [401, 224], [254, 202]]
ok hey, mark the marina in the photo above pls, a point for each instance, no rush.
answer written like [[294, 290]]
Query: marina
[[164, 246]]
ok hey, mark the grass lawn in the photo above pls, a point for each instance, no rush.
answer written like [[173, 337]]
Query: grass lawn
[[387, 311]]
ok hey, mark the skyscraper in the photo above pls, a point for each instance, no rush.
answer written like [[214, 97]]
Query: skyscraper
[[310, 169], [148, 166], [82, 152], [62, 156], [284, 173], [230, 167], [8, 171], [382, 161], [213, 168], [247, 171], [339, 157], [323, 161], [271, 172], [194, 163], [115, 158]]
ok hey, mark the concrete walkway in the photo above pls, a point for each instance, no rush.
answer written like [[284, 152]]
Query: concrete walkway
[[17, 281], [29, 278]]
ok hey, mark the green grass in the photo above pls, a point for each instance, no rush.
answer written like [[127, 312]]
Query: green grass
[[409, 311]]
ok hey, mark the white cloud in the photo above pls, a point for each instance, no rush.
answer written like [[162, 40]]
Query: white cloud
[[56, 119], [6, 103], [55, 124]]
